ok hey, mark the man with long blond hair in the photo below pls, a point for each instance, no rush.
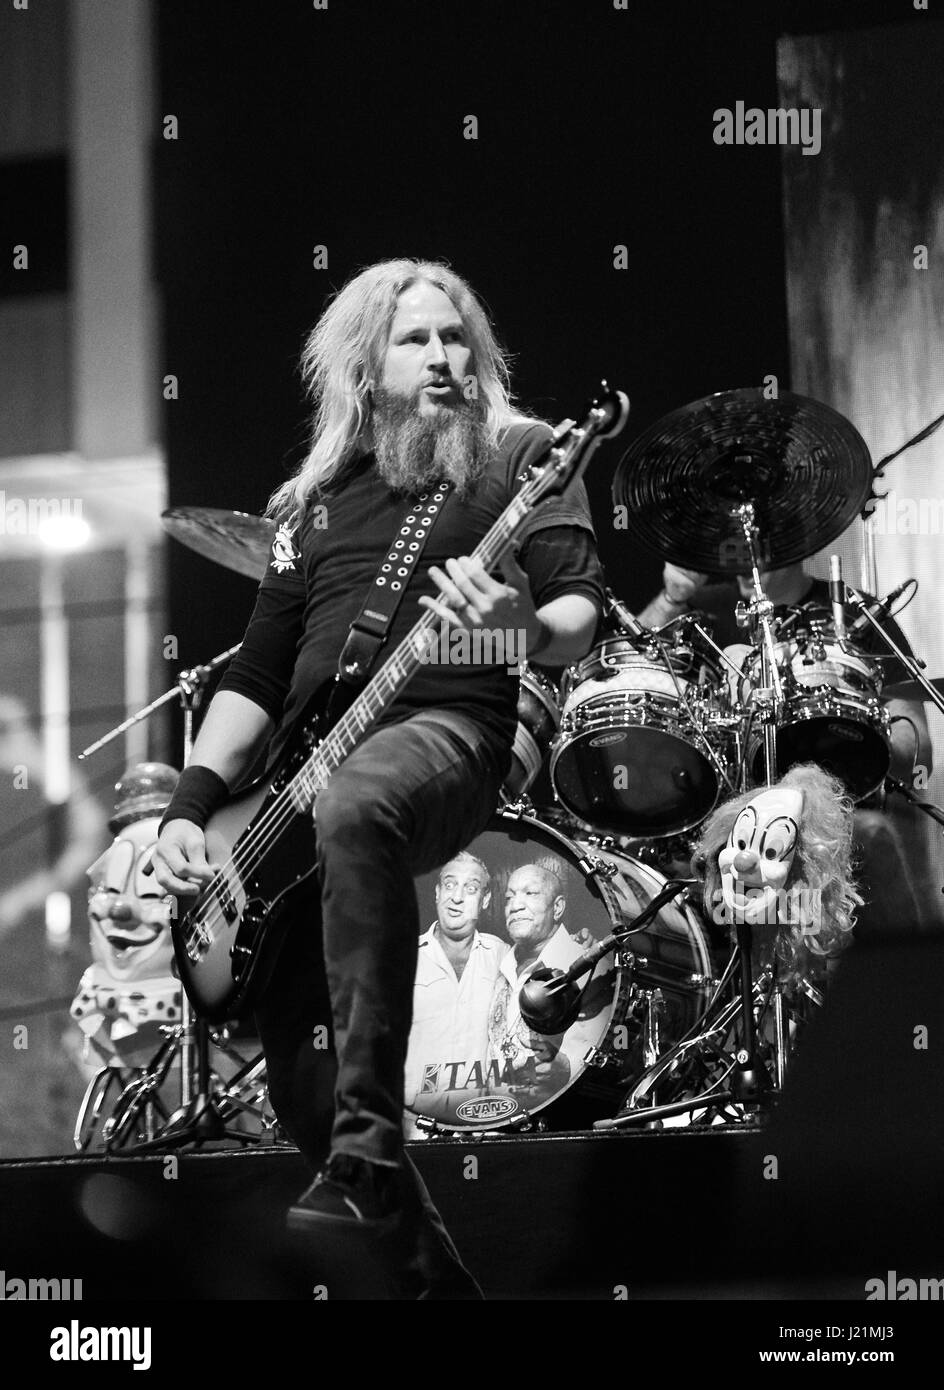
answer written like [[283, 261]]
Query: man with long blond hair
[[411, 392]]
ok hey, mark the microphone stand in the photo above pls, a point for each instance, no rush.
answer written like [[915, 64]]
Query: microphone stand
[[911, 665], [893, 784], [556, 992]]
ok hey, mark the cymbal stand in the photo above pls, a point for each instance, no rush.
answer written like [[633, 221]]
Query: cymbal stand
[[757, 616], [751, 1079], [197, 673]]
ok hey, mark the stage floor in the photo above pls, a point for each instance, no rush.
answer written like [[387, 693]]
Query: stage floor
[[674, 1215]]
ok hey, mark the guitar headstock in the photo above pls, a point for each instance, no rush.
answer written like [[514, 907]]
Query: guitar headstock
[[572, 443]]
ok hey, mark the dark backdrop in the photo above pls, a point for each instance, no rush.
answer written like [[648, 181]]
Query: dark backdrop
[[343, 127]]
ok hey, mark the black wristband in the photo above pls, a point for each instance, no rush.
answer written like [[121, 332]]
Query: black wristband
[[198, 793]]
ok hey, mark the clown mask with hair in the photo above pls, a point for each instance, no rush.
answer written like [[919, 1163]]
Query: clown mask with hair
[[781, 857], [755, 863]]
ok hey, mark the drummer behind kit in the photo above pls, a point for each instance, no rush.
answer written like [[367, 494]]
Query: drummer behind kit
[[611, 990]]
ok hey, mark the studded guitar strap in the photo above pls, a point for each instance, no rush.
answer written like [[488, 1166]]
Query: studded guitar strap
[[370, 628]]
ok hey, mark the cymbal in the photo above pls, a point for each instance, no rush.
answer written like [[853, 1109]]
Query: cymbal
[[805, 468], [238, 540]]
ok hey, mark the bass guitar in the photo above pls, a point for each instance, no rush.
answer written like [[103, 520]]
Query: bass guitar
[[264, 837]]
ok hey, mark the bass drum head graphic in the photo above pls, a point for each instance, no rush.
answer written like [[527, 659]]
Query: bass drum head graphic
[[519, 895]]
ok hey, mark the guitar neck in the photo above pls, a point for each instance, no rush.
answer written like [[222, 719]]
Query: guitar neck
[[399, 666]]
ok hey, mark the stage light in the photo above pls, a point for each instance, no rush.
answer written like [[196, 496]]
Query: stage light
[[58, 921], [64, 532]]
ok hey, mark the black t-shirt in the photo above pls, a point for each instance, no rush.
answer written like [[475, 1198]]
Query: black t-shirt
[[318, 578], [718, 601]]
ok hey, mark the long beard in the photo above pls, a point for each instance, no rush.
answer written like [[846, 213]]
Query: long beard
[[413, 450]]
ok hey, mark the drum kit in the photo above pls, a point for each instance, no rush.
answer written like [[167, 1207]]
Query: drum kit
[[630, 750]]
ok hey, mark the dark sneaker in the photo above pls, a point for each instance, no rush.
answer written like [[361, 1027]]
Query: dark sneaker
[[349, 1194]]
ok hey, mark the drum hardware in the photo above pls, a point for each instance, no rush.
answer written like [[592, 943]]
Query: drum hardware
[[911, 665], [600, 1060], [187, 687], [139, 1098], [604, 841], [810, 992], [781, 1039], [654, 1004], [245, 1094], [710, 642], [705, 1047], [641, 749], [657, 642], [935, 813], [538, 723], [89, 1117], [598, 868], [831, 712], [757, 615], [750, 1079]]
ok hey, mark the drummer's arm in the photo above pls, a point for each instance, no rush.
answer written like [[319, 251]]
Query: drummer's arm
[[567, 625], [678, 588], [905, 757]]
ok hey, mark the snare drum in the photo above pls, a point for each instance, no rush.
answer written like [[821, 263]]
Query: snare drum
[[643, 742], [472, 1063], [832, 713], [538, 722]]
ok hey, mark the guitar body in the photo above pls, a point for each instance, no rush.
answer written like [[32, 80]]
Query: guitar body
[[228, 940]]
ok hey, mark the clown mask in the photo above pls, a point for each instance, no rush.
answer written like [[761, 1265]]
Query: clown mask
[[128, 915], [756, 862]]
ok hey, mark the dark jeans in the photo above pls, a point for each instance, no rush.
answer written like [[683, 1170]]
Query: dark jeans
[[407, 799]]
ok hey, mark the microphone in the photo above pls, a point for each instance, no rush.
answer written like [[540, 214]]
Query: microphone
[[549, 999], [878, 607], [837, 594], [625, 618]]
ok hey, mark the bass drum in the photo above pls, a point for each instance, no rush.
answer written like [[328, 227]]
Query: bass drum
[[473, 1064]]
